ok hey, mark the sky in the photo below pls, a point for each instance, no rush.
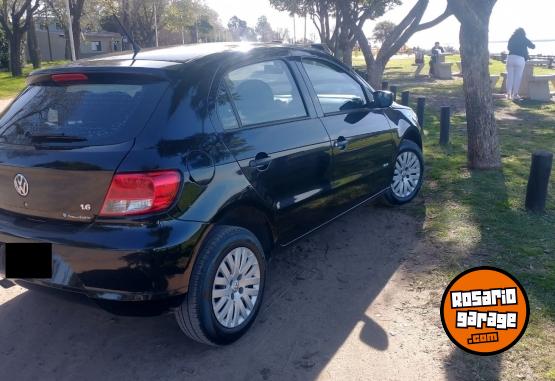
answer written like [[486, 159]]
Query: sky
[[536, 17]]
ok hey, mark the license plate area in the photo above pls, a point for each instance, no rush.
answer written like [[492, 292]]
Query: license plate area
[[28, 260]]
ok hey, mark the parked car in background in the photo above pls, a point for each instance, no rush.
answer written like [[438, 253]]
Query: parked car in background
[[163, 181]]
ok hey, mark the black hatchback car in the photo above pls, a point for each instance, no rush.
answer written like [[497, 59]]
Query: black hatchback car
[[163, 181]]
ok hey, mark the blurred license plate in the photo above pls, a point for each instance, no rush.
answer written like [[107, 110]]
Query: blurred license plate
[[28, 260]]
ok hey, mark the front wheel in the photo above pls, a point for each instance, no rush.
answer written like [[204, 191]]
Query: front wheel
[[408, 174], [225, 289]]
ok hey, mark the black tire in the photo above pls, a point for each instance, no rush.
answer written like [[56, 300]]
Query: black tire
[[195, 315], [390, 198]]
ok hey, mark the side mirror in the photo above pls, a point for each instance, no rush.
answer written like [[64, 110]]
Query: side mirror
[[382, 99]]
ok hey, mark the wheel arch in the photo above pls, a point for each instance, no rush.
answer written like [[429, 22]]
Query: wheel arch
[[253, 217], [413, 134]]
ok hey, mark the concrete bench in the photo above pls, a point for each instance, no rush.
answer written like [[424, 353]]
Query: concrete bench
[[493, 79], [442, 70], [538, 87], [459, 68]]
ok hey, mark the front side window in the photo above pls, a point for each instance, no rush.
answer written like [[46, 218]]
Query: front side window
[[337, 91], [265, 92]]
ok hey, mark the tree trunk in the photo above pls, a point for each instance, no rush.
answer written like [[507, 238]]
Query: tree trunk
[[375, 74], [32, 44], [16, 64], [76, 26], [483, 141]]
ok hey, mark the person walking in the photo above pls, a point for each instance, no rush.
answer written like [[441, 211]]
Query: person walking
[[516, 60]]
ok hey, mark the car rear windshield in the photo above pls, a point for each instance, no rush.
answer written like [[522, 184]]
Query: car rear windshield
[[79, 113]]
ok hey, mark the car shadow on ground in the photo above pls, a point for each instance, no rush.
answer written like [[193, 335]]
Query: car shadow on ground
[[317, 292]]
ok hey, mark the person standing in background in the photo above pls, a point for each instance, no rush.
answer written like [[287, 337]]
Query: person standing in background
[[518, 55]]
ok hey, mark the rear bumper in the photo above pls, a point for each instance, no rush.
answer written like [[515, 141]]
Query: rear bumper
[[112, 262]]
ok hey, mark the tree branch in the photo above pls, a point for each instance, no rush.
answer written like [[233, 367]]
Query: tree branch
[[430, 24]]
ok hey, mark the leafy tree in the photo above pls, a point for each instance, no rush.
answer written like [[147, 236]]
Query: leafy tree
[[240, 31], [483, 141], [382, 31], [264, 29], [15, 23], [180, 16]]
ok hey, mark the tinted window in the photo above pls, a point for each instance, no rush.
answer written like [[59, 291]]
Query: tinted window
[[86, 114], [336, 90], [265, 92], [225, 110]]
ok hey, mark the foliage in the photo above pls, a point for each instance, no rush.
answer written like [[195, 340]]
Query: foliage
[[382, 31], [264, 29], [240, 31]]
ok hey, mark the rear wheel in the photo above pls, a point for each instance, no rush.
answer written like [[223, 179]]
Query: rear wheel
[[225, 289], [408, 174]]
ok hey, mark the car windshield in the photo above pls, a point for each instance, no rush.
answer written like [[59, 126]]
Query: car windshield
[[97, 114]]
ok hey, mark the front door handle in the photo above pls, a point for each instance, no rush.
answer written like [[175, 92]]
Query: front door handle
[[341, 143], [261, 161]]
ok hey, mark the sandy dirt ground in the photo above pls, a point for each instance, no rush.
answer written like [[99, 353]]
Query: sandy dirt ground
[[344, 304], [347, 303]]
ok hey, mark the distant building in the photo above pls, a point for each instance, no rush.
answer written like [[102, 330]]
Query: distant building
[[52, 41]]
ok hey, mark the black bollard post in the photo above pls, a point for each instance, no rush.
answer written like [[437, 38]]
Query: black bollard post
[[421, 104], [445, 123], [405, 95], [393, 89], [385, 85], [536, 192]]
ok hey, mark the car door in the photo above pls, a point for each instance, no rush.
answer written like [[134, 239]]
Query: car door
[[362, 139], [271, 128]]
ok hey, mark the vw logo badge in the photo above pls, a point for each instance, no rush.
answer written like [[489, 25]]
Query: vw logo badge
[[21, 185]]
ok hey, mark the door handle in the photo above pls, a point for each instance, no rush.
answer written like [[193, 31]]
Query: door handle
[[261, 161], [341, 143]]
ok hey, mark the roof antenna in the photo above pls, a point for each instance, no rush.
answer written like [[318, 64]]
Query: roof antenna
[[136, 47]]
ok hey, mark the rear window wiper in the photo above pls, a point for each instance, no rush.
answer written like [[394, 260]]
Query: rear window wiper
[[35, 138]]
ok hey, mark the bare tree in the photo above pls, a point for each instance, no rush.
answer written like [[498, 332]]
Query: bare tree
[[59, 10], [15, 23], [483, 141], [32, 43]]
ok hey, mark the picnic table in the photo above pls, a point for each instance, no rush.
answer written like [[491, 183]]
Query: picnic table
[[534, 87], [442, 69]]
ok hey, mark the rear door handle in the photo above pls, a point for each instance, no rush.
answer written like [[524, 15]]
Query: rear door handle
[[261, 161], [341, 143]]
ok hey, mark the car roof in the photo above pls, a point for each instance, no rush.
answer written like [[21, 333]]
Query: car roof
[[190, 52]]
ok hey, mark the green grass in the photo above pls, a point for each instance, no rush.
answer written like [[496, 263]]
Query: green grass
[[11, 86], [478, 217]]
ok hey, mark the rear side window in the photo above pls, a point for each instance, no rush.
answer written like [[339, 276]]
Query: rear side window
[[80, 113], [337, 91], [265, 92], [225, 110]]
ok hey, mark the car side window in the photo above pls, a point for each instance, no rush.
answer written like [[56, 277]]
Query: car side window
[[225, 109], [265, 92], [337, 91]]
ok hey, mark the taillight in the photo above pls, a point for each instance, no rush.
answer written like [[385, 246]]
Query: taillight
[[69, 77], [140, 193]]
